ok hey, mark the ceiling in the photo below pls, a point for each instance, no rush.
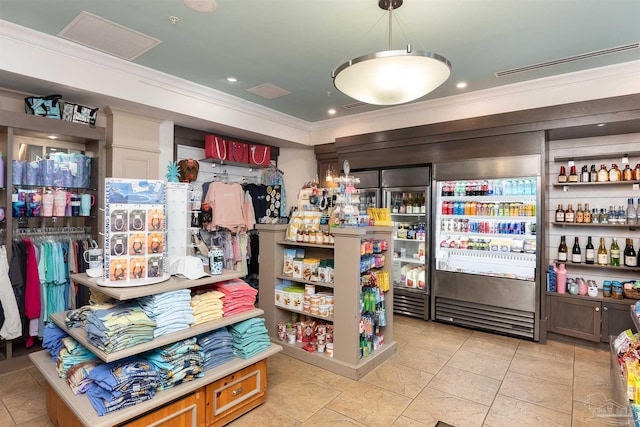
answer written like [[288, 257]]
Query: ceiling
[[295, 44]]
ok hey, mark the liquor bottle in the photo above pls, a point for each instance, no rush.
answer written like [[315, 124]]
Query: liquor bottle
[[603, 258], [563, 175], [614, 173], [562, 250], [403, 206], [409, 207], [573, 175], [590, 253], [603, 174], [560, 214], [621, 215], [615, 253], [569, 214], [576, 254], [636, 174], [579, 214], [587, 214], [632, 214], [630, 259], [627, 173], [593, 174], [584, 176]]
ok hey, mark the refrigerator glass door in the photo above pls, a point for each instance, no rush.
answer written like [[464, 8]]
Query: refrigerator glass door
[[487, 227]]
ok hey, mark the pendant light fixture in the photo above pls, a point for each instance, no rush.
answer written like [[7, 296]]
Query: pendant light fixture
[[391, 77]]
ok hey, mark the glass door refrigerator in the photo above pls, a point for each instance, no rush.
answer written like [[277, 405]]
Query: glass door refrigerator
[[368, 188], [486, 270], [406, 192]]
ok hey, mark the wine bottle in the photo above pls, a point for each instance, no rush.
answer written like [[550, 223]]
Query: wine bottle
[[576, 254], [603, 258], [560, 214], [630, 259], [615, 253], [589, 252], [562, 250]]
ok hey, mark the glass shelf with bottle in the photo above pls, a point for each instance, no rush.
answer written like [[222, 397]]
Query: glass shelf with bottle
[[600, 257], [488, 209], [620, 217], [597, 177], [503, 245]]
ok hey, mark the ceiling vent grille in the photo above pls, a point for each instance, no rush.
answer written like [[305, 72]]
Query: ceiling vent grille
[[354, 105], [106, 36], [268, 91], [588, 55]]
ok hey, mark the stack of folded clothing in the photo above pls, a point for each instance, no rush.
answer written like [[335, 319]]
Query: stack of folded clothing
[[71, 354], [207, 306], [78, 317], [120, 327], [238, 296], [121, 384], [170, 310], [77, 376], [217, 347], [177, 363], [52, 340], [249, 337]]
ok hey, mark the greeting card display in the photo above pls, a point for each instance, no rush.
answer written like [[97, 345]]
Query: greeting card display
[[135, 236]]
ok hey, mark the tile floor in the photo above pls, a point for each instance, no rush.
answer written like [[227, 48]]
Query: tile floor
[[462, 377]]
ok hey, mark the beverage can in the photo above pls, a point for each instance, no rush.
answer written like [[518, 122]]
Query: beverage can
[[216, 256]]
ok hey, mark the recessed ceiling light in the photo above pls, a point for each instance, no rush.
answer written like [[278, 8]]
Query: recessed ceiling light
[[331, 111], [461, 85], [203, 6], [52, 136], [601, 124], [232, 79]]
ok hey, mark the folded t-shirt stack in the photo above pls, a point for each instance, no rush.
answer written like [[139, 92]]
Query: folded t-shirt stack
[[239, 296], [71, 354], [207, 306], [249, 337], [52, 340], [121, 384], [217, 347], [78, 317], [77, 375], [120, 327], [177, 363], [170, 310]]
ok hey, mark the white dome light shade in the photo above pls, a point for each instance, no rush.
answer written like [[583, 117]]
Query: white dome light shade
[[391, 77]]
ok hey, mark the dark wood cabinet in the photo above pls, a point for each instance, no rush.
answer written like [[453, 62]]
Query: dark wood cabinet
[[591, 319]]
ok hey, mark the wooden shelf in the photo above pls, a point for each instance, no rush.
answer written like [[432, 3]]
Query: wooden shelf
[[306, 282], [601, 156], [80, 334], [306, 313], [571, 184], [569, 264], [304, 245], [591, 224], [85, 412], [173, 284]]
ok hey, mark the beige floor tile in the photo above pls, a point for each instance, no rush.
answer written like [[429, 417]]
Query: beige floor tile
[[369, 404], [300, 397], [327, 378], [401, 322], [35, 373], [42, 421], [5, 417], [326, 417], [467, 385], [600, 411], [489, 346], [16, 382], [553, 350], [403, 337], [487, 336], [439, 341], [403, 421], [554, 371], [417, 358], [265, 415], [585, 387], [431, 406], [509, 412], [592, 369], [489, 366], [280, 368], [537, 391], [398, 378], [26, 405], [592, 352]]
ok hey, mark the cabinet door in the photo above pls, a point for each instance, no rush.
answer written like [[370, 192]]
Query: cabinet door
[[574, 317], [186, 412], [615, 319]]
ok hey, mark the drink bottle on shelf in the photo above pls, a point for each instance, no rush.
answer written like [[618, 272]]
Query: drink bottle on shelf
[[603, 258], [615, 253], [560, 214], [630, 259], [589, 252], [631, 214], [614, 173], [562, 250], [576, 254], [573, 175], [584, 175], [579, 214], [587, 214], [627, 173], [562, 177], [603, 174], [593, 174], [569, 214]]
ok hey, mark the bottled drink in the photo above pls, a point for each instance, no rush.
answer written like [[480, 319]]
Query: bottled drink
[[563, 175], [615, 253], [584, 176], [403, 206], [621, 215], [603, 259], [627, 173], [587, 214], [560, 214], [409, 206], [569, 214], [562, 250], [632, 215], [579, 214], [593, 174], [614, 173], [630, 259], [573, 175], [576, 254], [603, 174], [636, 173], [589, 252]]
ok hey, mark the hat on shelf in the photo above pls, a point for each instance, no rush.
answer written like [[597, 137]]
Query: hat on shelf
[[187, 266]]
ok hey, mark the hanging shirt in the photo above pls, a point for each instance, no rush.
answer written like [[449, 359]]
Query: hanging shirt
[[12, 326], [227, 202]]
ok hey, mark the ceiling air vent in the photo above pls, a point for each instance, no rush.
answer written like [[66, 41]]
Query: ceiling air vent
[[268, 90], [106, 36], [354, 105], [588, 55]]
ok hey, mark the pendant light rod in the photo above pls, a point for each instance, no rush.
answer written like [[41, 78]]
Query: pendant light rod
[[390, 5]]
